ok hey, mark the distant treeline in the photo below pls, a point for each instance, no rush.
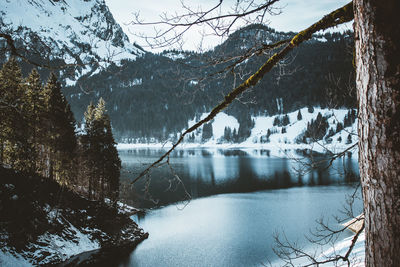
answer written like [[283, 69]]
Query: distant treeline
[[38, 134]]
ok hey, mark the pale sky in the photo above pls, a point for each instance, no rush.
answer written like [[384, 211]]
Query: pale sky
[[296, 15]]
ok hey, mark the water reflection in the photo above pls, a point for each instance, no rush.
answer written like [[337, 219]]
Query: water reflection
[[206, 172], [235, 229]]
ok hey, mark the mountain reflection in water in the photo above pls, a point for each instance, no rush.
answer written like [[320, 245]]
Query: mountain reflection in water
[[206, 172]]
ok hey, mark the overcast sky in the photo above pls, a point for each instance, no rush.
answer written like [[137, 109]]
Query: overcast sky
[[296, 15]]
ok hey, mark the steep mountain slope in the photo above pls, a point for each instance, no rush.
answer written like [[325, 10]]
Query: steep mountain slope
[[153, 96], [156, 95], [77, 31]]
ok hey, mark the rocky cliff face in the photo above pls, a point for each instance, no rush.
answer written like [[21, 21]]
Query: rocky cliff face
[[80, 32]]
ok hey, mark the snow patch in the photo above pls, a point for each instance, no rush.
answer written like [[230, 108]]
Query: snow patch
[[8, 259], [280, 142], [64, 247], [221, 121], [69, 82], [174, 55], [357, 255]]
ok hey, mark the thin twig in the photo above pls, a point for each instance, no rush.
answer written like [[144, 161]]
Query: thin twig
[[339, 16]]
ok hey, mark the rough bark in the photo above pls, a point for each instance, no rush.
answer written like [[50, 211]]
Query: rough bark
[[377, 40]]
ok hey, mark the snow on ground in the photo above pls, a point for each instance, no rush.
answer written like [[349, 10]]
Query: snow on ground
[[279, 143], [296, 127], [221, 121], [357, 256], [62, 25], [64, 247], [218, 124], [69, 82], [7, 259], [123, 208], [174, 55], [328, 252], [53, 247]]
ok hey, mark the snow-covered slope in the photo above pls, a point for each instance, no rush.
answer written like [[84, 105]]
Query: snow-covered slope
[[219, 123], [45, 224], [265, 134], [282, 135], [79, 31], [296, 127]]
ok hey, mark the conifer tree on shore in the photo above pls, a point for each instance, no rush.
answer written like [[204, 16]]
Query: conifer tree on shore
[[37, 135], [35, 103], [60, 127], [100, 154], [15, 148]]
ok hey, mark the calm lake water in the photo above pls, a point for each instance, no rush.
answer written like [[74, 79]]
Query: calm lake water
[[240, 199]]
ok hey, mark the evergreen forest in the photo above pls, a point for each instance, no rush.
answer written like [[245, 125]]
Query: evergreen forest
[[38, 135], [156, 95]]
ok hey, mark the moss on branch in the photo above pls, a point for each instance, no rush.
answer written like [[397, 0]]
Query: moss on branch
[[339, 16]]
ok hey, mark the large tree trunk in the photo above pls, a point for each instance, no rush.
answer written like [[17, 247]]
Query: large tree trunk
[[377, 41]]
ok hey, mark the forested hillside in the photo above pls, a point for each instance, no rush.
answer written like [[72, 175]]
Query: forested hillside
[[153, 96], [48, 168], [157, 94]]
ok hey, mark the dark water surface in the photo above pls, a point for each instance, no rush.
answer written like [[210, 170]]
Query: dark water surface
[[240, 199]]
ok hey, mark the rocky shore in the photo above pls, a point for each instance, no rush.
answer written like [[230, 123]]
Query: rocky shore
[[43, 223]]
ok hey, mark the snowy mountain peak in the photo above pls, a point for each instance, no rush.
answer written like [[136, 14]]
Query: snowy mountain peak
[[78, 31]]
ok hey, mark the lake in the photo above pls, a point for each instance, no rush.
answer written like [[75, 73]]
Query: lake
[[240, 199]]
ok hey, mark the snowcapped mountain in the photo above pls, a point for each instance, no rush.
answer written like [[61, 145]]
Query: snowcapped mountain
[[78, 31], [153, 96]]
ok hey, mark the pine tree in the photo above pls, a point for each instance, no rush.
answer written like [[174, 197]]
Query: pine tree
[[14, 146], [339, 127], [299, 116], [101, 160], [316, 130], [227, 134], [285, 120], [234, 136], [207, 132], [87, 151], [277, 121], [112, 162], [35, 111], [60, 132], [349, 139], [98, 138]]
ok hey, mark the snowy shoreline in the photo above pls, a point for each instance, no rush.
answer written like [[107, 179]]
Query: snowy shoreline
[[266, 134], [82, 250], [43, 228], [276, 149]]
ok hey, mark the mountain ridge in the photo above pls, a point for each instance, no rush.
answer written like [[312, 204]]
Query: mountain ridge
[[155, 95], [78, 31]]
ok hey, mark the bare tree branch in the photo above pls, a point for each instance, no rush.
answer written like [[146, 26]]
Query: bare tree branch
[[341, 15], [290, 252], [220, 23]]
